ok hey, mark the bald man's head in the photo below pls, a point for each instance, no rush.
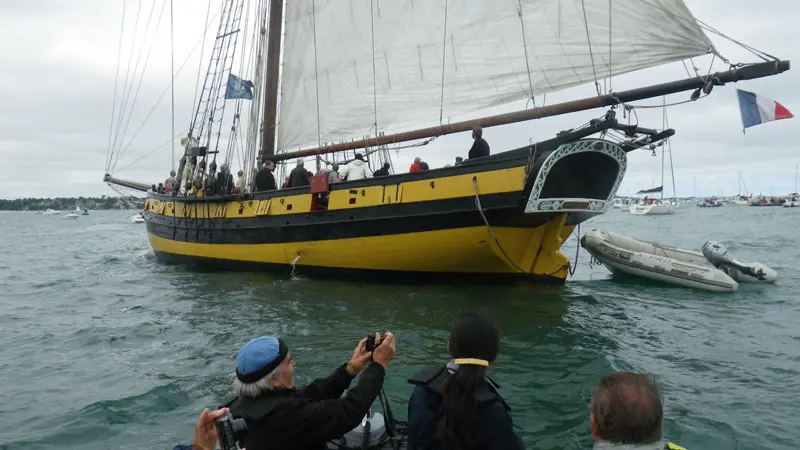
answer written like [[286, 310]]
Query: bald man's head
[[626, 409]]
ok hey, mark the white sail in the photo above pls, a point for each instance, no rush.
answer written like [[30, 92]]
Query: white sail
[[330, 56]]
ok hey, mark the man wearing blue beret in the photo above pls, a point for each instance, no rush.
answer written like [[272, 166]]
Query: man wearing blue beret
[[280, 416]]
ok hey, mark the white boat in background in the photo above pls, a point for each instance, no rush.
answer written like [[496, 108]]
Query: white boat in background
[[51, 212], [712, 270], [137, 218], [75, 214], [656, 208]]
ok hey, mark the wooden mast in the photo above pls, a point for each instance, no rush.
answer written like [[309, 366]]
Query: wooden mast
[[271, 84], [748, 72]]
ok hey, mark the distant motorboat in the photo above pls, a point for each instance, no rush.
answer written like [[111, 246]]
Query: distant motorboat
[[72, 216], [137, 218], [51, 212], [710, 203]]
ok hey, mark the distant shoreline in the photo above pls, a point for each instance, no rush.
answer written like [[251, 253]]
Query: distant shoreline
[[103, 203]]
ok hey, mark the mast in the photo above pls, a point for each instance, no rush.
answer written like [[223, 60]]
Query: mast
[[172, 83], [749, 72], [271, 84]]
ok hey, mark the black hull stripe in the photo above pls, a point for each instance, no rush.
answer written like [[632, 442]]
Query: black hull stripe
[[272, 232], [492, 202], [359, 275]]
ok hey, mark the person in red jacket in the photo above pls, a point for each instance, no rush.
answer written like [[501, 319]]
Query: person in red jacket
[[415, 166]]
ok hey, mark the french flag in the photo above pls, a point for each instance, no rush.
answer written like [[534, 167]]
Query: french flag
[[757, 109]]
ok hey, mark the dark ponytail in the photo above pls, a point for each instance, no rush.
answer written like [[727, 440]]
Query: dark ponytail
[[474, 336]]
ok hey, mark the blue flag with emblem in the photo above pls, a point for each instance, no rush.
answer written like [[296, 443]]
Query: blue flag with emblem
[[238, 88]]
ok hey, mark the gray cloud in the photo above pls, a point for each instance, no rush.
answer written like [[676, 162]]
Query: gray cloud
[[57, 85]]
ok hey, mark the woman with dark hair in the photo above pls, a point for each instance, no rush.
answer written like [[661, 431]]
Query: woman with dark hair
[[457, 407]]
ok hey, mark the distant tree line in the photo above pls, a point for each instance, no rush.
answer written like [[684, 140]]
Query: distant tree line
[[69, 203]]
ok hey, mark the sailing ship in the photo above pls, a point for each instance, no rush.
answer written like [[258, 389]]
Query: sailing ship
[[333, 79]]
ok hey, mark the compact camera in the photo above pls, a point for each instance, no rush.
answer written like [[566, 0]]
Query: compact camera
[[231, 432], [370, 344]]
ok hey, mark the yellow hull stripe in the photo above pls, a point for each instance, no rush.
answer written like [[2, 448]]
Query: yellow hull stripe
[[462, 250], [490, 182]]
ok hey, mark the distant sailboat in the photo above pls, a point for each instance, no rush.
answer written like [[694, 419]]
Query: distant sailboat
[[742, 199], [794, 198]]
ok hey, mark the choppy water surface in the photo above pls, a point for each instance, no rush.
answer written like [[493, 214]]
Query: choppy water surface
[[104, 347]]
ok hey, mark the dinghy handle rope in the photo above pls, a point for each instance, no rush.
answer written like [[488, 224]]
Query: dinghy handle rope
[[489, 227]]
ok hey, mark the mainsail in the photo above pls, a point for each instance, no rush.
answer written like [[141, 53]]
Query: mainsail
[[354, 68]]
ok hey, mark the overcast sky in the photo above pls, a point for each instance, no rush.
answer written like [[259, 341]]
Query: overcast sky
[[57, 83]]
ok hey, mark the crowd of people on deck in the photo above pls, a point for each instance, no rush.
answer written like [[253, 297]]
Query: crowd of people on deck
[[452, 406], [196, 181]]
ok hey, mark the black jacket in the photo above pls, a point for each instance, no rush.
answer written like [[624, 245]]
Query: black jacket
[[307, 418], [494, 429], [480, 148], [381, 172], [299, 177], [224, 183], [265, 181]]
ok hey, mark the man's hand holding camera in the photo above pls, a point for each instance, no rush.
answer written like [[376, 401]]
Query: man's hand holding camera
[[205, 430], [379, 350]]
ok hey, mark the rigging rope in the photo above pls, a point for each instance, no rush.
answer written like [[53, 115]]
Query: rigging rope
[[199, 68], [525, 47], [136, 67], [489, 227], [150, 152], [374, 76], [127, 74], [172, 73], [589, 41], [316, 73], [158, 101], [116, 83], [708, 27], [444, 59], [610, 60]]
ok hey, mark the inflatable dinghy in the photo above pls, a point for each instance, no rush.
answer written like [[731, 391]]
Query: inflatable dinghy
[[713, 269]]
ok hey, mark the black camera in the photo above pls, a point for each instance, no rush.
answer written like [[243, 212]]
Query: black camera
[[370, 344], [231, 432]]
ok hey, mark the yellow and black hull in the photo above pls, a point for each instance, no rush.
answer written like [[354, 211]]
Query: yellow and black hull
[[502, 218]]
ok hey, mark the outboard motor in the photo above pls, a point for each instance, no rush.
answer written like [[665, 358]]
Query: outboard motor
[[367, 434], [753, 272]]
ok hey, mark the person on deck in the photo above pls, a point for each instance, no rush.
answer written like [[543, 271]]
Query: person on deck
[[299, 176], [480, 148], [333, 175], [280, 416], [169, 183], [415, 166], [626, 412], [356, 170], [224, 182], [265, 180], [456, 406], [423, 166], [383, 171], [239, 187]]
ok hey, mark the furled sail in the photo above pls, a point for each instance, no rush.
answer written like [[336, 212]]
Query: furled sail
[[351, 67]]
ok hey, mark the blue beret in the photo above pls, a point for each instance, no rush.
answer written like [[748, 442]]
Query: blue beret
[[259, 357]]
